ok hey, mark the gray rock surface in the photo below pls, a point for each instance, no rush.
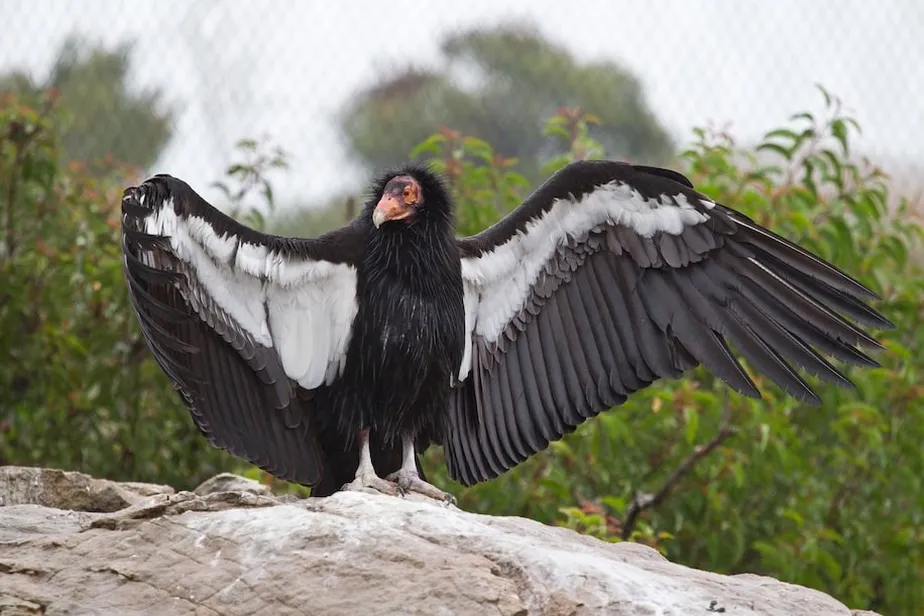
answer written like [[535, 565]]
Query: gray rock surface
[[239, 551], [22, 485], [229, 482]]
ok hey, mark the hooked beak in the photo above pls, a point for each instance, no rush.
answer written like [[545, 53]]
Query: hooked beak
[[388, 208]]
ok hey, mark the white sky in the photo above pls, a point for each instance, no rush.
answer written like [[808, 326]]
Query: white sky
[[240, 68]]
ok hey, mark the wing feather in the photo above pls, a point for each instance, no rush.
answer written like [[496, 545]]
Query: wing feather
[[241, 322], [611, 276]]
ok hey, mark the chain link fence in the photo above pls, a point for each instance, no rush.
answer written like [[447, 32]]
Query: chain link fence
[[213, 72]]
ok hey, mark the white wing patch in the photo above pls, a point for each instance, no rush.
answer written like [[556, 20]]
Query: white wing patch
[[470, 302], [500, 280], [302, 308]]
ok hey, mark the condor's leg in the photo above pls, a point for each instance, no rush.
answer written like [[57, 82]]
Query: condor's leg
[[408, 479], [365, 472]]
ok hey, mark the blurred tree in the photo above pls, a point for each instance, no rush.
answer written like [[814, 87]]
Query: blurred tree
[[78, 388], [501, 85], [107, 119], [314, 221]]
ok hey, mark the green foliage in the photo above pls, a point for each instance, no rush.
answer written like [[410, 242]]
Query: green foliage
[[252, 201], [78, 389], [92, 85], [831, 497], [251, 175], [501, 84]]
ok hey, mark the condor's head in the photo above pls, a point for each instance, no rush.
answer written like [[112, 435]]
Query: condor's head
[[410, 197]]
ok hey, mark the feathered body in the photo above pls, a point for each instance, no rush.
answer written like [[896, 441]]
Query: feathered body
[[407, 342]]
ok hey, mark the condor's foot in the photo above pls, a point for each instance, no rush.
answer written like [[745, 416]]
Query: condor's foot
[[409, 481], [371, 481], [366, 478]]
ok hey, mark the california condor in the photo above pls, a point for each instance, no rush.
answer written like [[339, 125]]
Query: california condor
[[333, 362]]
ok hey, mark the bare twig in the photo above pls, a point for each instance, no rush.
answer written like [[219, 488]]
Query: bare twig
[[350, 209], [642, 501]]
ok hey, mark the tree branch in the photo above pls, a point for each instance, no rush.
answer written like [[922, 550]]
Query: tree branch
[[12, 188], [642, 501]]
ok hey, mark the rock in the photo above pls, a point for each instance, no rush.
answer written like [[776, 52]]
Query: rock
[[69, 490], [229, 482], [237, 552], [15, 607]]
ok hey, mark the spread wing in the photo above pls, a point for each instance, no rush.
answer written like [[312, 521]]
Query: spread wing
[[611, 276], [246, 325]]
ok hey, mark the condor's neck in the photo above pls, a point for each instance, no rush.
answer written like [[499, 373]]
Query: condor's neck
[[422, 254]]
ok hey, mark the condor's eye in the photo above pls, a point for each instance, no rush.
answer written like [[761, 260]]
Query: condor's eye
[[408, 193]]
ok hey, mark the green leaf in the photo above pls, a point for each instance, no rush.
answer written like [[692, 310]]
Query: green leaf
[[786, 133], [785, 152], [432, 145], [839, 131]]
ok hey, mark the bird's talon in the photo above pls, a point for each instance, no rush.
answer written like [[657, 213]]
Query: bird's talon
[[371, 482], [408, 482], [448, 499]]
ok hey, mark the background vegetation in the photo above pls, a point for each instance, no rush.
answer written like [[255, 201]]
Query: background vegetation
[[502, 83], [831, 497], [97, 103]]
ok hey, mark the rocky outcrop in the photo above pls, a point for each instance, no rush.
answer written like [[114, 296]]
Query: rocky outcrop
[[71, 544], [67, 490]]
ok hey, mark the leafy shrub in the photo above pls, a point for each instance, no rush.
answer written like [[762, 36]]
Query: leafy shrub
[[78, 389], [830, 497]]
